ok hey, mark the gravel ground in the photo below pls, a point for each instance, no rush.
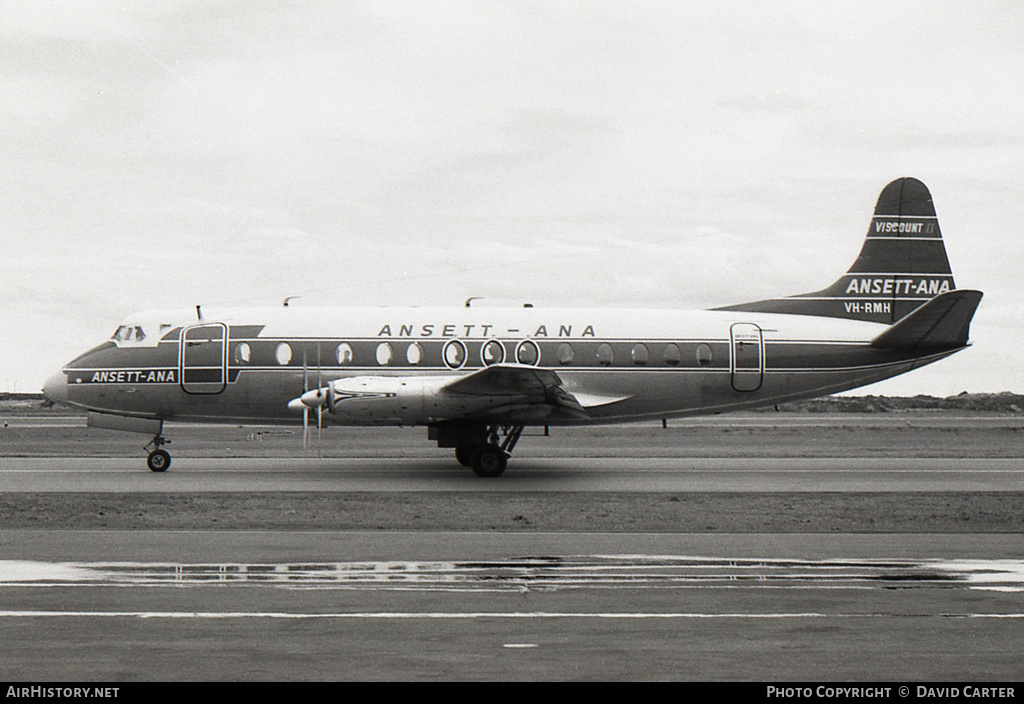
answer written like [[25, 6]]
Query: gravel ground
[[990, 512]]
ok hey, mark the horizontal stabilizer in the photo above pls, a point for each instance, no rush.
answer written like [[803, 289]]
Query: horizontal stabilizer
[[943, 322]]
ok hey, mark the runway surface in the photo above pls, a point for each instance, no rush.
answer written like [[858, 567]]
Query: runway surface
[[921, 419], [619, 474], [115, 606]]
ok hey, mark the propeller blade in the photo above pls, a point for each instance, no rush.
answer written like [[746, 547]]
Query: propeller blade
[[305, 408], [319, 408]]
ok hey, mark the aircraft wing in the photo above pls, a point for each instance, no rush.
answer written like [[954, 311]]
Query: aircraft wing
[[502, 393], [523, 386]]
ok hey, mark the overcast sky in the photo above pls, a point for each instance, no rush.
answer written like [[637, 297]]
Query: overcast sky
[[628, 154]]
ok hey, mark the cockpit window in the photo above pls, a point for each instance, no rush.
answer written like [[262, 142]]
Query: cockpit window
[[132, 335], [129, 333]]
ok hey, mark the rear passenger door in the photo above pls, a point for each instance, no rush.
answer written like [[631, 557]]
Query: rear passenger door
[[746, 356]]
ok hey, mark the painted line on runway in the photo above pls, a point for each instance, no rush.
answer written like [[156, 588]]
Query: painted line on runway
[[473, 615], [526, 471], [547, 573]]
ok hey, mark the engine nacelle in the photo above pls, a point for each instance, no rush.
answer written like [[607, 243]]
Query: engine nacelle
[[417, 400], [376, 400]]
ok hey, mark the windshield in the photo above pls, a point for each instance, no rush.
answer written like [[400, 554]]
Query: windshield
[[140, 333], [129, 333]]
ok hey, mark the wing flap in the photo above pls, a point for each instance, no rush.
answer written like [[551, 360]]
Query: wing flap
[[527, 386]]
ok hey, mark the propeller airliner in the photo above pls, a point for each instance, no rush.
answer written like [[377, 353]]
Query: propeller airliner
[[476, 377]]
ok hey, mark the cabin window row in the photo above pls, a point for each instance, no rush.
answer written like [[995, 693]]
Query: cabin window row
[[455, 354]]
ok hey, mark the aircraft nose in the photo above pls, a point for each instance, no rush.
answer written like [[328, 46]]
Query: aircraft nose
[[55, 390]]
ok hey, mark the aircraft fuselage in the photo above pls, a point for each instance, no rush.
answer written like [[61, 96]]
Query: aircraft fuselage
[[248, 364]]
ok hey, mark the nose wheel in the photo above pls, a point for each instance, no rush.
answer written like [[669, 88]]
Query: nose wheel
[[158, 460]]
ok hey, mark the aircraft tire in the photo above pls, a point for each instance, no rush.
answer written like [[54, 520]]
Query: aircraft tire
[[158, 461], [464, 455], [489, 461]]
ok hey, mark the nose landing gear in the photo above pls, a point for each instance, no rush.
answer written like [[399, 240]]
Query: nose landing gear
[[158, 460]]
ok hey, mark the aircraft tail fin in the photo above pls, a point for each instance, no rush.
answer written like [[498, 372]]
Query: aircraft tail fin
[[942, 323], [901, 266]]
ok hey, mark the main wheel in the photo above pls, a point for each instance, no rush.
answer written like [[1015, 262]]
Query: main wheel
[[158, 461], [489, 461], [464, 456]]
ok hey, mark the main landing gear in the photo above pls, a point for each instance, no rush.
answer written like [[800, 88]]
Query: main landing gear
[[482, 447], [158, 460]]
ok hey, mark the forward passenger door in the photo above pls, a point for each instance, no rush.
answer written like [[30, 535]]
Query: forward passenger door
[[204, 358]]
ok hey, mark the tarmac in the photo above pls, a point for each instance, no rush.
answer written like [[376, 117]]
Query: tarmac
[[879, 565]]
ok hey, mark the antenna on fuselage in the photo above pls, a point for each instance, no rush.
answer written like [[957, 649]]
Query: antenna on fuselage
[[289, 298], [471, 299], [199, 312]]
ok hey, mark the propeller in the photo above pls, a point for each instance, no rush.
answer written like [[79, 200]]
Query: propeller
[[305, 408], [319, 397], [312, 399], [319, 409]]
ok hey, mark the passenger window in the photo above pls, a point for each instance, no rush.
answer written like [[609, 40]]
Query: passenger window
[[640, 354], [344, 353], [414, 353], [243, 353], [704, 355], [527, 352], [283, 353], [605, 356], [672, 354], [384, 354], [493, 352], [565, 353], [454, 354]]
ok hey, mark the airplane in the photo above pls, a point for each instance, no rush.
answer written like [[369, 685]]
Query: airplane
[[477, 377]]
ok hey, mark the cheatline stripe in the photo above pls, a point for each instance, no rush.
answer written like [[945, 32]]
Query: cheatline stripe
[[857, 298], [638, 369]]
